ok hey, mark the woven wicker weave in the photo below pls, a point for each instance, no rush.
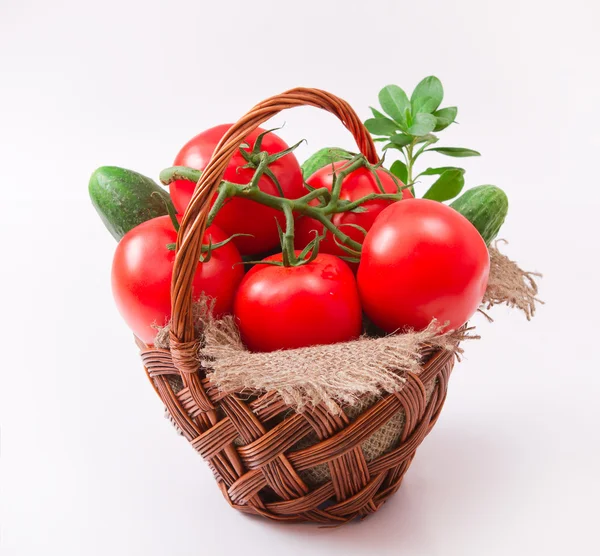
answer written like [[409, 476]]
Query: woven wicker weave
[[255, 447]]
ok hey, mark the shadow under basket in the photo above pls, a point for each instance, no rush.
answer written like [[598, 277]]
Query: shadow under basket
[[271, 460]]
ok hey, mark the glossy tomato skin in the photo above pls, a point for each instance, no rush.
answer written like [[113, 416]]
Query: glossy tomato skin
[[242, 215], [359, 183], [422, 260], [280, 307], [142, 269]]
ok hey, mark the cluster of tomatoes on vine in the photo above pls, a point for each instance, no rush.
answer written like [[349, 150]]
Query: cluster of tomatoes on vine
[[327, 250]]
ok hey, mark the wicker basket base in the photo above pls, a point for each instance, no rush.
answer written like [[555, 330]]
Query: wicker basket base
[[257, 454]]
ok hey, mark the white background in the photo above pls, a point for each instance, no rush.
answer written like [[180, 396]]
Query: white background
[[88, 464]]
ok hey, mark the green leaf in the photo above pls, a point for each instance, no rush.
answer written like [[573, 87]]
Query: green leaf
[[377, 113], [392, 146], [422, 124], [447, 186], [423, 105], [429, 138], [457, 152], [438, 171], [400, 139], [400, 170], [445, 117], [382, 126], [395, 103], [428, 95]]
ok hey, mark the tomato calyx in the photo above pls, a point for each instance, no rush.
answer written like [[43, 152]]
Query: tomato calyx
[[256, 156], [289, 257]]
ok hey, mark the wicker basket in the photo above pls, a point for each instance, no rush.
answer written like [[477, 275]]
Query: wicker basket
[[260, 450]]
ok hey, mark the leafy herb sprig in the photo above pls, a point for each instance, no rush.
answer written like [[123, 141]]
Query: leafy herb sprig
[[410, 127]]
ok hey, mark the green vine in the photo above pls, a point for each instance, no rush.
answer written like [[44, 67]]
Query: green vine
[[329, 201]]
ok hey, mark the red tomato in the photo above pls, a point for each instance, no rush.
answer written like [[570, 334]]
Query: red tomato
[[290, 307], [420, 260], [142, 269], [242, 215], [359, 183]]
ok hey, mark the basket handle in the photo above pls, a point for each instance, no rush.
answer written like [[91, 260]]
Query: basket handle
[[193, 223]]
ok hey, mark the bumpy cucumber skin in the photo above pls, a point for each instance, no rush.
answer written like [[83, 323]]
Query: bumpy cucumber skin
[[486, 207], [323, 158], [124, 199]]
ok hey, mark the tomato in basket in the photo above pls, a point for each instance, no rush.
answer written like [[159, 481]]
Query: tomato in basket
[[142, 270], [242, 216], [422, 260], [279, 307]]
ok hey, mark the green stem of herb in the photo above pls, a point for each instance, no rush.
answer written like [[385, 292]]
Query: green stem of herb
[[409, 166], [421, 150]]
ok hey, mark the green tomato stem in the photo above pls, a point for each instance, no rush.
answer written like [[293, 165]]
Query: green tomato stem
[[371, 197], [287, 247], [222, 196], [279, 203], [315, 194], [170, 175], [356, 162], [330, 202]]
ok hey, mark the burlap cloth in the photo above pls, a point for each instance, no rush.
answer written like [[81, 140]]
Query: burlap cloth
[[348, 377]]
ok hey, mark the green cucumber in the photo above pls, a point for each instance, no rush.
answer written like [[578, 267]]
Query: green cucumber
[[485, 206], [321, 158], [124, 199]]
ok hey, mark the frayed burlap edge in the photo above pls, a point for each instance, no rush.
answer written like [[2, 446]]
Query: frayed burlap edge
[[343, 373], [510, 285], [334, 375]]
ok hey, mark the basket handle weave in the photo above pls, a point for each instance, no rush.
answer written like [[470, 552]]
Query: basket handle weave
[[193, 223]]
